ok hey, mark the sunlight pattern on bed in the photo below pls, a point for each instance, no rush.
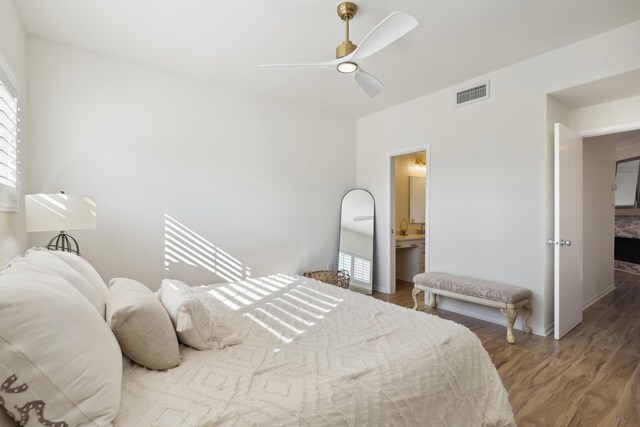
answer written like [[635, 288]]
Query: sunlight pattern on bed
[[275, 316], [316, 354]]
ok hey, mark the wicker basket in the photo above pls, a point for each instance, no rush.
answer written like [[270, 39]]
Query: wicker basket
[[333, 277]]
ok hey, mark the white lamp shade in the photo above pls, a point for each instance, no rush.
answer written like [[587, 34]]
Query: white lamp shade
[[59, 212]]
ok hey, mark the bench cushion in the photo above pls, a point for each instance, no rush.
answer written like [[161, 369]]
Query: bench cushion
[[474, 287]]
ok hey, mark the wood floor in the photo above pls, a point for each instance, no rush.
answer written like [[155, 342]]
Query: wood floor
[[589, 378]]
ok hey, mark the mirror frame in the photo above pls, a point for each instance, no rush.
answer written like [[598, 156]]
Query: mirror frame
[[635, 201], [420, 206], [373, 235]]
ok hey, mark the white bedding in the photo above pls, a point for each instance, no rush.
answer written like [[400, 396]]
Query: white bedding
[[313, 354]]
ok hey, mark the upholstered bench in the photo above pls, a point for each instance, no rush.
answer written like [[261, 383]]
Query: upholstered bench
[[507, 298]]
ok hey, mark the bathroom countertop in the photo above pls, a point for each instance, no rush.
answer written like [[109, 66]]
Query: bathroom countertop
[[401, 238]]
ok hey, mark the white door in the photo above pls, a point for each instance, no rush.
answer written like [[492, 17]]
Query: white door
[[567, 230]]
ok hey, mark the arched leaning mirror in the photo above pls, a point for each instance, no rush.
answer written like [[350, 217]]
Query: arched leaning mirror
[[356, 239]]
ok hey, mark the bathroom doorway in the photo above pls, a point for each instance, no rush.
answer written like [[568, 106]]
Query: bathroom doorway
[[409, 216]]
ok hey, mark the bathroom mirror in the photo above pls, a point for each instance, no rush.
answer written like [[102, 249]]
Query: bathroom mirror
[[416, 199], [357, 218], [627, 182]]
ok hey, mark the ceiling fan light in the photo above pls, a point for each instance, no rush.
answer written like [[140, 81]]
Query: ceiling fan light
[[347, 67]]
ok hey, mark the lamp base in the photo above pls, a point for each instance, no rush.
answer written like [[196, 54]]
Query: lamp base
[[64, 242]]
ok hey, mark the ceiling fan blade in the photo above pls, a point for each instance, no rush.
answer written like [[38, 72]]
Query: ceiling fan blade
[[386, 32], [368, 83], [327, 64]]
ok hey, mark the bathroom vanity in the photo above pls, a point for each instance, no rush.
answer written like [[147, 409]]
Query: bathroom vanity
[[410, 256]]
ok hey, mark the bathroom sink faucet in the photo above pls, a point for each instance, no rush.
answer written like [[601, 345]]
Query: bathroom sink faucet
[[421, 229]]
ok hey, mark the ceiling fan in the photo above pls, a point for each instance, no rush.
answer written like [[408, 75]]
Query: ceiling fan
[[348, 55]]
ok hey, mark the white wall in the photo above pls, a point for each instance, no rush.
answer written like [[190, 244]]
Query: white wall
[[260, 180], [356, 243], [599, 169], [13, 49], [490, 166], [631, 146], [606, 117], [628, 152]]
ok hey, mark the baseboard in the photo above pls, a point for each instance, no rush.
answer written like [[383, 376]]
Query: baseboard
[[627, 271], [548, 330], [487, 314], [597, 297]]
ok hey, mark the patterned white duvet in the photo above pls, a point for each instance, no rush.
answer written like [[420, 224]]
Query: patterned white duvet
[[313, 354]]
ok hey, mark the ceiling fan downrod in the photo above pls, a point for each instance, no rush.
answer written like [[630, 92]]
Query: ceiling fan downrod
[[346, 12]]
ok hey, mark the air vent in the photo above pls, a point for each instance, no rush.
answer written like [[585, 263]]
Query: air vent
[[473, 94]]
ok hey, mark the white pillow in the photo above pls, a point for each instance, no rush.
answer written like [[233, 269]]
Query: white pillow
[[63, 264], [196, 326], [83, 267], [57, 353]]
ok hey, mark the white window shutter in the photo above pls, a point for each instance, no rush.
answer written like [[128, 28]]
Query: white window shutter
[[8, 142]]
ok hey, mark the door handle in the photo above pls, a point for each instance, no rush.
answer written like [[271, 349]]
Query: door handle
[[561, 242]]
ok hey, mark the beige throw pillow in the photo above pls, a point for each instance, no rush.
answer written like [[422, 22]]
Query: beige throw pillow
[[196, 326], [141, 325]]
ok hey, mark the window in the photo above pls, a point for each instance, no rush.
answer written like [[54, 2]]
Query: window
[[362, 270], [359, 268], [8, 142], [344, 262]]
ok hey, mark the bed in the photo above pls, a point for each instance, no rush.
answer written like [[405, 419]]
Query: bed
[[306, 354], [314, 354]]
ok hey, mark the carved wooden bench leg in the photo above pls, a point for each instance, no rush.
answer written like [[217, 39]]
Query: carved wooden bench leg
[[434, 301], [414, 294], [510, 314], [527, 314]]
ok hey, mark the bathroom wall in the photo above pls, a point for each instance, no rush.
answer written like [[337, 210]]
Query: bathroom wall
[[405, 167]]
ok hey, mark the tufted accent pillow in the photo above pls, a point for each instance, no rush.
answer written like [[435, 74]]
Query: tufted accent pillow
[[196, 326]]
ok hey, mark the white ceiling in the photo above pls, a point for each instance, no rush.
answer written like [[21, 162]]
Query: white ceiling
[[224, 41]]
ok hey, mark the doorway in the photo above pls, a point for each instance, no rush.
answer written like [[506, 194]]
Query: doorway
[[585, 274], [409, 179]]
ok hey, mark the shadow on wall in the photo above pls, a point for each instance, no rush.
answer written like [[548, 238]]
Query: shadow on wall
[[181, 244]]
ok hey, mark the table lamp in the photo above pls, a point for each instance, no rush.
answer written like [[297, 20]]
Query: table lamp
[[60, 212]]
